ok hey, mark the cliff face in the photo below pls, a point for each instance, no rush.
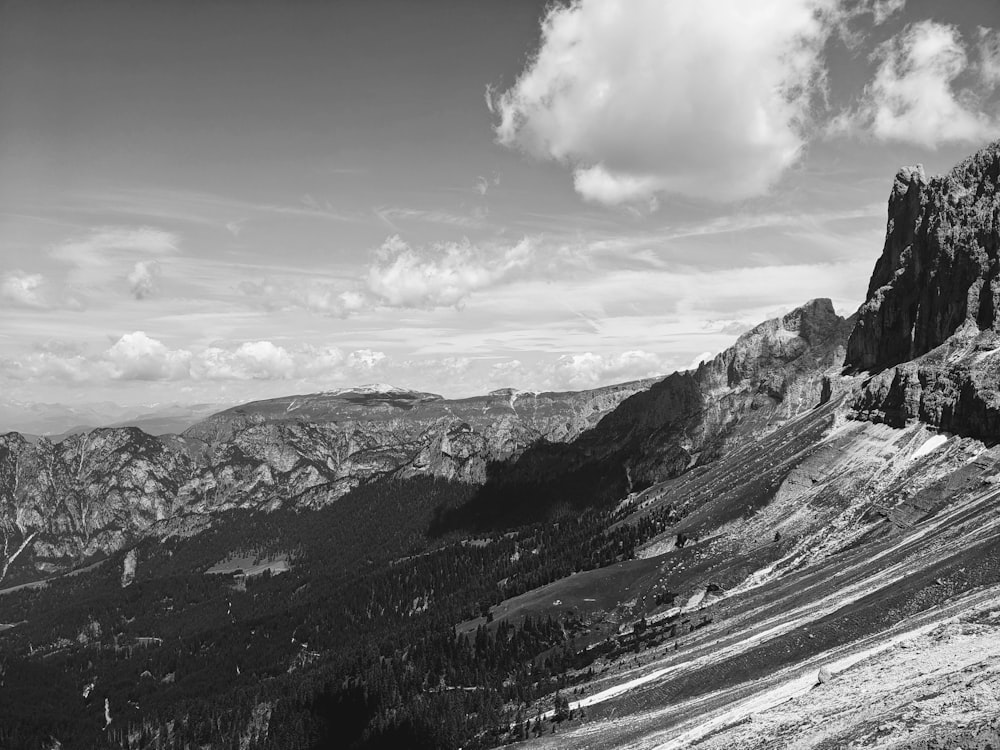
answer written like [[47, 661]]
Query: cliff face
[[86, 494], [939, 269], [930, 327]]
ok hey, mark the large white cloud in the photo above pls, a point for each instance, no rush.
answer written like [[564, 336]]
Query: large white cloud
[[136, 356], [915, 96], [706, 98], [441, 275]]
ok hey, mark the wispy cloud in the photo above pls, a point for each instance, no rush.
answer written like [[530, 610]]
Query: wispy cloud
[[102, 244], [390, 216], [206, 209], [483, 184]]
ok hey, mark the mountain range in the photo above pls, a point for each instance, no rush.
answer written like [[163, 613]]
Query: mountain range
[[793, 545]]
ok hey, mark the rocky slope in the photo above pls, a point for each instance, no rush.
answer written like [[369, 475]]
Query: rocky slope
[[779, 369]]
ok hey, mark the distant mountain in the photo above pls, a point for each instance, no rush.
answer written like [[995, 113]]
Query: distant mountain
[[57, 421], [99, 490]]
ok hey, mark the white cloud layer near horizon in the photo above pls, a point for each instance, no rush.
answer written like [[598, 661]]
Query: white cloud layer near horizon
[[136, 356]]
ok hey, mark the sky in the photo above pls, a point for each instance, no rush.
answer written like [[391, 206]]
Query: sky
[[226, 201]]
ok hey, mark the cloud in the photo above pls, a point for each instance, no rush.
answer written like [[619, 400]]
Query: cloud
[[883, 9], [483, 184], [365, 359], [22, 289], [391, 215], [854, 19], [48, 365], [254, 360], [588, 370], [319, 297], [577, 371], [642, 97], [136, 356], [105, 243], [143, 278], [108, 253], [442, 275], [989, 55], [915, 97]]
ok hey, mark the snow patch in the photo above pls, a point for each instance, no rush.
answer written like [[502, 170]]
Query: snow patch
[[369, 390], [931, 444]]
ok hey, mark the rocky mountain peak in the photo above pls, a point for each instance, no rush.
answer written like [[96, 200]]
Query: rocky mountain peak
[[939, 268], [811, 333]]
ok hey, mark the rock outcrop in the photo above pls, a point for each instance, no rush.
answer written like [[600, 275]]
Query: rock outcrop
[[929, 331], [939, 269], [773, 372]]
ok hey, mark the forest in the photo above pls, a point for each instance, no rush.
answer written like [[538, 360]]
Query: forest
[[356, 645]]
